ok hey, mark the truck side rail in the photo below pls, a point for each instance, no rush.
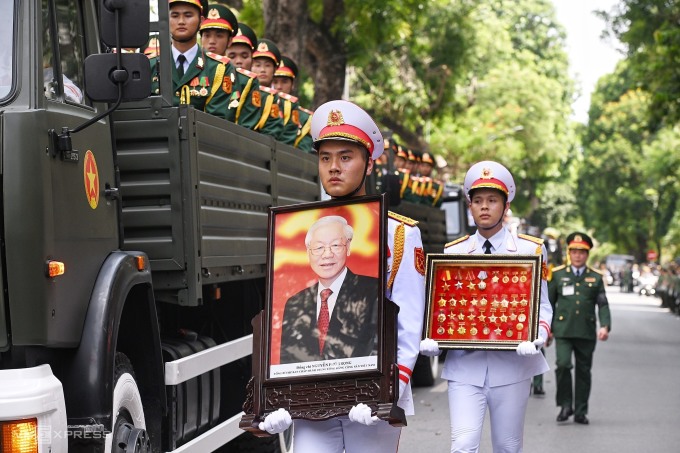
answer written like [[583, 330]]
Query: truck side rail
[[195, 192]]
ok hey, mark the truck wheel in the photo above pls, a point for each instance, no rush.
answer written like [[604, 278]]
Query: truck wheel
[[128, 423]]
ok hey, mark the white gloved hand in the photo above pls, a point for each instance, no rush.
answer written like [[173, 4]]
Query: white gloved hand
[[539, 342], [526, 348], [361, 413], [276, 422], [429, 348]]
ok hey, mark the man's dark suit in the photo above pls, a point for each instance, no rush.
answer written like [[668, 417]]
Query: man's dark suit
[[352, 331]]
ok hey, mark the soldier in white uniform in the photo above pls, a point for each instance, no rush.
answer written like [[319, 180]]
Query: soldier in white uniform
[[348, 141], [499, 380]]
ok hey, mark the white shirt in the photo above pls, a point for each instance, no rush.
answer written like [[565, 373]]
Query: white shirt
[[578, 270], [189, 55], [335, 287]]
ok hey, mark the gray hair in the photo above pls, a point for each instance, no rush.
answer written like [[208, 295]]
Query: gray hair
[[346, 228]]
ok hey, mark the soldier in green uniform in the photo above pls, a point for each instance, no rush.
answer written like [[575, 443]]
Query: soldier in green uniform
[[575, 290], [240, 52], [218, 30], [295, 118], [431, 190], [198, 78]]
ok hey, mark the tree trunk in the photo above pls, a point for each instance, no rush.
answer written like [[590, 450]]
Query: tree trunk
[[311, 45]]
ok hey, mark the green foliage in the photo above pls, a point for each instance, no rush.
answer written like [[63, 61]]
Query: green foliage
[[650, 30]]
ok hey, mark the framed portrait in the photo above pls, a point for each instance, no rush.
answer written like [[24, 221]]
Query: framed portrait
[[482, 301], [326, 339]]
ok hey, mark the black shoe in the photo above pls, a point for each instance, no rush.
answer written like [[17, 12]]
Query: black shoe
[[564, 414], [538, 390], [582, 419]]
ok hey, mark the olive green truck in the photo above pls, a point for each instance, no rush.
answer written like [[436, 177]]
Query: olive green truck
[[133, 244]]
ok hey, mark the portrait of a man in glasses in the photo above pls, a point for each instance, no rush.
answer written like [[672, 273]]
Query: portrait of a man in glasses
[[336, 317]]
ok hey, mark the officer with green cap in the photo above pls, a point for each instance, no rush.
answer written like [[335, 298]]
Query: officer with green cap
[[575, 290], [198, 78], [297, 121], [266, 58], [240, 53], [217, 31]]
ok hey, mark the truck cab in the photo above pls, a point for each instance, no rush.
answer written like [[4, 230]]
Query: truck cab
[[132, 244]]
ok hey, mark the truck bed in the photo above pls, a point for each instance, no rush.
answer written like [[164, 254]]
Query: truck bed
[[195, 192]]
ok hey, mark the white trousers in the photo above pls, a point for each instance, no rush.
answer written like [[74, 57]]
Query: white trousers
[[338, 435], [507, 407]]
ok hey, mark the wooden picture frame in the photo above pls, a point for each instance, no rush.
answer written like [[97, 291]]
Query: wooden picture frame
[[482, 301], [357, 362]]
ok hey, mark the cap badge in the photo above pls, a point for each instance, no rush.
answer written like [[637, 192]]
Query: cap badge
[[213, 14], [578, 238], [262, 47], [335, 118], [486, 173], [239, 33]]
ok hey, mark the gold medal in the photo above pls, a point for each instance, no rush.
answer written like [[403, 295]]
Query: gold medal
[[505, 279], [522, 317], [481, 285], [441, 317], [451, 331], [461, 330], [441, 302], [473, 331], [519, 326], [508, 333], [515, 279], [486, 331], [440, 331]]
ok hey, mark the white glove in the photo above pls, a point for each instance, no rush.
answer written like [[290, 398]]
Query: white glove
[[539, 342], [276, 422], [527, 348], [429, 347], [361, 413]]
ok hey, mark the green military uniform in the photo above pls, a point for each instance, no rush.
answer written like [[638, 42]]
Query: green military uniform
[[242, 109], [208, 84], [304, 139], [271, 121], [574, 299]]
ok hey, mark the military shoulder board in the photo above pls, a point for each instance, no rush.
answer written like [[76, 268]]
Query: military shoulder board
[[402, 218], [531, 238], [456, 241], [220, 58], [247, 73]]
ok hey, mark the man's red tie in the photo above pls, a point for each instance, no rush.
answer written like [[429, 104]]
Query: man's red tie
[[324, 318]]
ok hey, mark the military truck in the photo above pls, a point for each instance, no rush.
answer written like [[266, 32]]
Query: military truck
[[132, 242]]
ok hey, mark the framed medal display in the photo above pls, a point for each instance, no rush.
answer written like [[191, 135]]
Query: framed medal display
[[482, 301]]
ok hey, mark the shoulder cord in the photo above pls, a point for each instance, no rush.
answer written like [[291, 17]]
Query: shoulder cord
[[399, 238]]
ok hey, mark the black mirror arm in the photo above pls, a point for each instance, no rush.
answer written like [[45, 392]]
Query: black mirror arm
[[62, 142]]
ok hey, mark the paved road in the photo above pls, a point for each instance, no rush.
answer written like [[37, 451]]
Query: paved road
[[634, 403]]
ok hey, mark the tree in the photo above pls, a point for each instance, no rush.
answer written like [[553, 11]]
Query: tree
[[649, 29]]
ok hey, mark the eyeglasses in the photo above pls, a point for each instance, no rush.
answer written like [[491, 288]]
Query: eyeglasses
[[334, 248]]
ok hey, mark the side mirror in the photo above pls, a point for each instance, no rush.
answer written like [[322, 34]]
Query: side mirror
[[102, 77], [133, 20]]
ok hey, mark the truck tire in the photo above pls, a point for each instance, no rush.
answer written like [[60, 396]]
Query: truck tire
[[128, 422]]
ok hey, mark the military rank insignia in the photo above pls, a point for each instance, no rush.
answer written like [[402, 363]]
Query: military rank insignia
[[257, 99], [419, 257], [226, 85], [275, 112]]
